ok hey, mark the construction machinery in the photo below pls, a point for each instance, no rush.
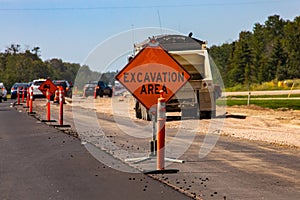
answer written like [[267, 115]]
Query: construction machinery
[[197, 98]]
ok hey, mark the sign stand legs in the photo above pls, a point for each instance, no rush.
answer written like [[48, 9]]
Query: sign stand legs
[[153, 142], [157, 145]]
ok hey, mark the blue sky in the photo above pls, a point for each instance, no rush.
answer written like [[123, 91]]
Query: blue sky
[[70, 29]]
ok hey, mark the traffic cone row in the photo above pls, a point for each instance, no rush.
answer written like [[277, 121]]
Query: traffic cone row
[[21, 97], [56, 95], [58, 98]]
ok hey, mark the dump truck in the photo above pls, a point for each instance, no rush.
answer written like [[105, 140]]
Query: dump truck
[[197, 98]]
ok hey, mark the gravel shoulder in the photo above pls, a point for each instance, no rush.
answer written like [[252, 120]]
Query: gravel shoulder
[[281, 126]]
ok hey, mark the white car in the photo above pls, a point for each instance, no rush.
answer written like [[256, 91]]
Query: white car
[[35, 87], [3, 93]]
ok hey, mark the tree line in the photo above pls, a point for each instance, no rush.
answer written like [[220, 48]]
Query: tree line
[[17, 65], [270, 52]]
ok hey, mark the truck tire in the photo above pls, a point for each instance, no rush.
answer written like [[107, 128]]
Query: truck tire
[[138, 112], [207, 114]]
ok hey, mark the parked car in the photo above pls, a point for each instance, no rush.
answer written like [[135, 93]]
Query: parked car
[[35, 86], [101, 89], [14, 89], [66, 85], [3, 93], [89, 88]]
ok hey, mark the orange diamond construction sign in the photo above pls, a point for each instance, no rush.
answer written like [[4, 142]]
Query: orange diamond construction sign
[[48, 85], [151, 70]]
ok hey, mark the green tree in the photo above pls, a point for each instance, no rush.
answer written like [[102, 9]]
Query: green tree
[[291, 44], [258, 44], [24, 66], [242, 71], [269, 52], [222, 56]]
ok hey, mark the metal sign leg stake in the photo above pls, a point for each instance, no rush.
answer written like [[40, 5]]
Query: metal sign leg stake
[[153, 142]]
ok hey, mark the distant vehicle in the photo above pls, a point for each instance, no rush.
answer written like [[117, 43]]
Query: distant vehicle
[[14, 89], [3, 93], [119, 89], [102, 89], [66, 85], [89, 89], [35, 86]]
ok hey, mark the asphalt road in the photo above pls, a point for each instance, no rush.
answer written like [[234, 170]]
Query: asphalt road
[[40, 162]]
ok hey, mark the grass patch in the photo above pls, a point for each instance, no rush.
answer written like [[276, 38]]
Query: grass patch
[[273, 104], [272, 85], [264, 96]]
